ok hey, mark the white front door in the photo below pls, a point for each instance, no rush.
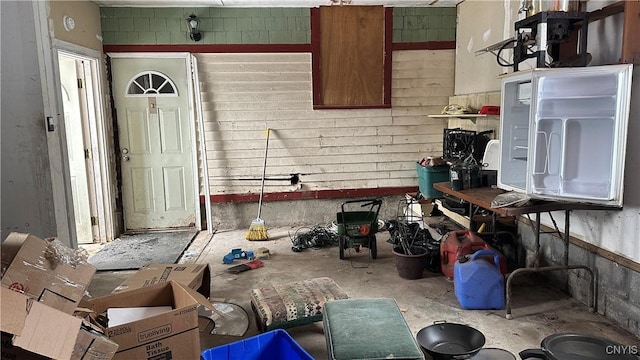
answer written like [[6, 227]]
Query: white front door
[[155, 145]]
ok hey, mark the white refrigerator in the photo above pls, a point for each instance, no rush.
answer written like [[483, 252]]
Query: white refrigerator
[[564, 133]]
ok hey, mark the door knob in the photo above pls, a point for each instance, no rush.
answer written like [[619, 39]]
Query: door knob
[[125, 157], [125, 151]]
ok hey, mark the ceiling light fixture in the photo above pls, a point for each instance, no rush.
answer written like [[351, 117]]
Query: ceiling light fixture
[[192, 26]]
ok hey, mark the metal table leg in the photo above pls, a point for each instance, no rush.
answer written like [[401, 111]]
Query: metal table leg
[[537, 268]]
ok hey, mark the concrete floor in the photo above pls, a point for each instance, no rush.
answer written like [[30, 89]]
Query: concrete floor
[[538, 310]]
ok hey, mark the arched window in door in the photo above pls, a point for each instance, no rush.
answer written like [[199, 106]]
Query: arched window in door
[[151, 83]]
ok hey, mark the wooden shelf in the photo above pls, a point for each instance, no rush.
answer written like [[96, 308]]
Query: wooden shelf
[[461, 220], [471, 117], [463, 116]]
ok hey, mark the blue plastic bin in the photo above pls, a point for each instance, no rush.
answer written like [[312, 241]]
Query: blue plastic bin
[[275, 344]]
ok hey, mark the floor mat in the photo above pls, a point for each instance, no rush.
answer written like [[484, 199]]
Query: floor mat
[[134, 251]]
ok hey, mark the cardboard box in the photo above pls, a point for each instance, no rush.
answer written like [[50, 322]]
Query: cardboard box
[[195, 276], [11, 352], [32, 328], [171, 335], [92, 345], [89, 346], [38, 269]]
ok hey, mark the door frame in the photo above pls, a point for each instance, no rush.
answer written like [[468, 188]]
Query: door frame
[[203, 143], [48, 49], [98, 139], [186, 57]]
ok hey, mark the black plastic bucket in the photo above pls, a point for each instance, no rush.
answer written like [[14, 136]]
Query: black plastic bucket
[[410, 266]]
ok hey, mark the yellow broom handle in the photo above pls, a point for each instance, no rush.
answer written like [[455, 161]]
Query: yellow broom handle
[[264, 172]]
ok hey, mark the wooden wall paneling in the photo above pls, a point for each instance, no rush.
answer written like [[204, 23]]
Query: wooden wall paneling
[[352, 53]]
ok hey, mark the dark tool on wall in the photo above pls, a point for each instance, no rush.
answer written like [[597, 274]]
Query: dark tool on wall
[[293, 179], [541, 34], [546, 26]]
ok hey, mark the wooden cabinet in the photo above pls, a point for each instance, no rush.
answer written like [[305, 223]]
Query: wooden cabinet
[[351, 56]]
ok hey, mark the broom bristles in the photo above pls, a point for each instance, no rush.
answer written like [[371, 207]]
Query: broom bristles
[[257, 231]]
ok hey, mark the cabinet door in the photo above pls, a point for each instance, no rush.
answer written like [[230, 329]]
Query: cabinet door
[[578, 133], [350, 50]]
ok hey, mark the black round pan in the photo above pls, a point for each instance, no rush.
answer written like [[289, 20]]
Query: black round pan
[[448, 341], [572, 346], [493, 354]]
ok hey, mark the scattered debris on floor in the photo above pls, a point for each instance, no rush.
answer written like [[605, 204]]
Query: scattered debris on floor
[[246, 267], [237, 254], [262, 253], [314, 237], [231, 319]]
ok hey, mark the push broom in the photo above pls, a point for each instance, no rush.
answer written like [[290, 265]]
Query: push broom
[[257, 230]]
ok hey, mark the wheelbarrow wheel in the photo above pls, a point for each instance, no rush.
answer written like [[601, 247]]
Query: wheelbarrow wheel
[[373, 247], [341, 244]]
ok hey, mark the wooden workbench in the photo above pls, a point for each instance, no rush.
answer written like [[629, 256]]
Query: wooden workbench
[[483, 196]]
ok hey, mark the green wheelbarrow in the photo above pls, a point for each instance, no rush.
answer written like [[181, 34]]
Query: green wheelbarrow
[[357, 229]]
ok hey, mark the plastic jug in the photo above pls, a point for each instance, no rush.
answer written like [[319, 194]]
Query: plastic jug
[[479, 284]]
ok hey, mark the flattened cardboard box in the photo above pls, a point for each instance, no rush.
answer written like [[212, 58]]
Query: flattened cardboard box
[[171, 335], [11, 352], [32, 327], [195, 276], [89, 346], [30, 271]]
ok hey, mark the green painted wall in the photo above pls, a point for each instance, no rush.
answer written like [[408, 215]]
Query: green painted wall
[[153, 26], [424, 24]]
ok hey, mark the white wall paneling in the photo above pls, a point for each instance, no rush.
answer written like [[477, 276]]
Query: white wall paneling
[[243, 94]]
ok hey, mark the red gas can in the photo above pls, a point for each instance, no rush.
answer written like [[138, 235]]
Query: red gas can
[[456, 244], [463, 242]]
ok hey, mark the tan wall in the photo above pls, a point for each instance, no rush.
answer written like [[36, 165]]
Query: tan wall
[[482, 23], [87, 32], [243, 94]]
